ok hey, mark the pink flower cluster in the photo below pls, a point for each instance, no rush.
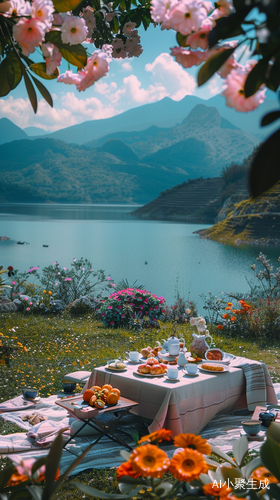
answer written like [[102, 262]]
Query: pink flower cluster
[[194, 19], [131, 47], [97, 66]]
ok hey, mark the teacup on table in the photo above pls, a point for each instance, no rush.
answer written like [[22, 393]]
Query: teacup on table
[[191, 368], [251, 427], [133, 356], [172, 373]]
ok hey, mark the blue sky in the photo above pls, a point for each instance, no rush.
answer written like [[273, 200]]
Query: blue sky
[[130, 83]]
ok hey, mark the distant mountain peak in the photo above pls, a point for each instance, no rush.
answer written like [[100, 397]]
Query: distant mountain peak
[[204, 115], [119, 149], [10, 132]]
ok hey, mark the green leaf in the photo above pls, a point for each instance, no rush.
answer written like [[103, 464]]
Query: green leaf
[[256, 77], [39, 463], [52, 465], [240, 449], [40, 70], [43, 91], [270, 118], [65, 5], [212, 65], [96, 4], [228, 27], [181, 40], [127, 484], [35, 491], [223, 455], [115, 24], [30, 90], [270, 456], [265, 169], [230, 473], [14, 72], [4, 82], [273, 491], [74, 54], [89, 490], [5, 475]]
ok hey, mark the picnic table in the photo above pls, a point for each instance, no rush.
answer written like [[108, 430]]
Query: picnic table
[[188, 404]]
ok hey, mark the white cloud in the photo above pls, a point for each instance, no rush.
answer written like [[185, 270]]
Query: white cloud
[[177, 82], [215, 85], [141, 95], [69, 111], [127, 66]]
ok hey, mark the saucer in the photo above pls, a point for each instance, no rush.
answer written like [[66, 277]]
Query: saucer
[[130, 362], [172, 379], [33, 400], [191, 374]]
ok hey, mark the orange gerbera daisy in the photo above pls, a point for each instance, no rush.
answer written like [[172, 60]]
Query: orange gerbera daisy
[[216, 490], [193, 442], [159, 436], [227, 308], [149, 460], [125, 469], [230, 304], [233, 318], [187, 465], [262, 474], [220, 327], [226, 316], [17, 478]]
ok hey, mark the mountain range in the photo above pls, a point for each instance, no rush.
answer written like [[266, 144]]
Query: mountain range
[[135, 169], [164, 114]]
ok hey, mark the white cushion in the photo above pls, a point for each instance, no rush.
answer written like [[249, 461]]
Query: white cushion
[[79, 377]]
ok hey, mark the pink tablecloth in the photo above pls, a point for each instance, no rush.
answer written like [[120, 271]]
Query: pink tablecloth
[[183, 406]]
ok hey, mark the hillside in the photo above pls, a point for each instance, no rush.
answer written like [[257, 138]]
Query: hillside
[[250, 221], [47, 170], [202, 145], [115, 172], [10, 132], [193, 201]]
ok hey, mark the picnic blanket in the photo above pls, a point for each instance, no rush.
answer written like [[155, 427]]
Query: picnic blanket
[[259, 386]]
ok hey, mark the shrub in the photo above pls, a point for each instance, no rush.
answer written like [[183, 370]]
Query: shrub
[[131, 307]]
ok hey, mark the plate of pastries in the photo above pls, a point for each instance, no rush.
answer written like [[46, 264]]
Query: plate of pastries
[[212, 368], [152, 368]]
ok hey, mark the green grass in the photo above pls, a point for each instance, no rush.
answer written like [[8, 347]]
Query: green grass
[[58, 345]]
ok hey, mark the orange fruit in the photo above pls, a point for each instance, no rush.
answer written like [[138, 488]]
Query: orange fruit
[[117, 391], [99, 403], [92, 400], [112, 398], [96, 388], [87, 395], [107, 386]]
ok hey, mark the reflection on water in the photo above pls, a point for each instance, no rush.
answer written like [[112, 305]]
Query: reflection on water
[[115, 241], [23, 211]]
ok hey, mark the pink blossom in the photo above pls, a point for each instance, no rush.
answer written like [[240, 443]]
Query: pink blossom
[[29, 33], [16, 8], [97, 66], [57, 19], [25, 298], [74, 260], [146, 301], [13, 293], [200, 38], [110, 307], [112, 284], [102, 314], [187, 16], [108, 278], [68, 279], [160, 12], [228, 66], [187, 58], [69, 78], [89, 17], [64, 269], [235, 94], [128, 28], [14, 282], [43, 10], [28, 308], [53, 61], [30, 303], [73, 30]]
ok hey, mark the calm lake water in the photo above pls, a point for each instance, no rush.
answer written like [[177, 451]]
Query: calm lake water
[[120, 244]]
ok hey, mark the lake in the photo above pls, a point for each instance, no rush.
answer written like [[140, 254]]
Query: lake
[[155, 253]]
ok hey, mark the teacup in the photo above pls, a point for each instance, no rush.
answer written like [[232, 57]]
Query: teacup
[[172, 373], [191, 368], [29, 393], [132, 356], [251, 427]]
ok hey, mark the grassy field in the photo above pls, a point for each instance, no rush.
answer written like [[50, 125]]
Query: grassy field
[[49, 348]]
